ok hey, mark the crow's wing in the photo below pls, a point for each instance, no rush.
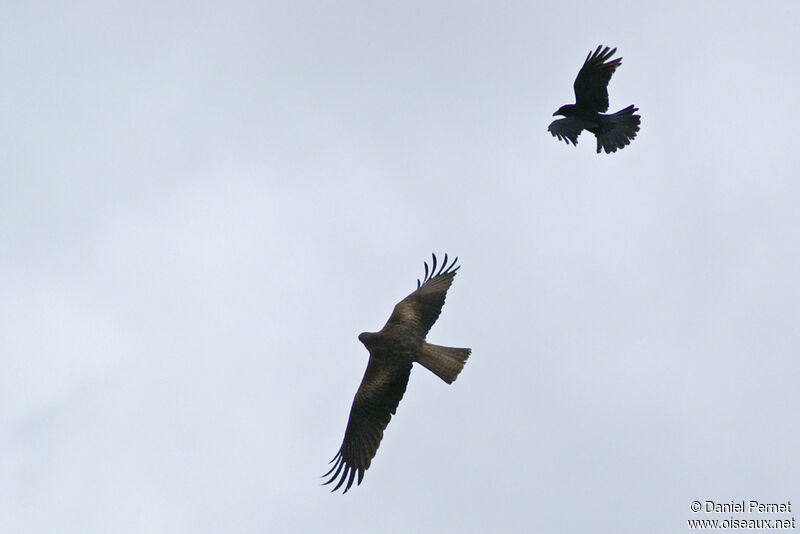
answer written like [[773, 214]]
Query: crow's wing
[[417, 312], [592, 81], [376, 400], [569, 129]]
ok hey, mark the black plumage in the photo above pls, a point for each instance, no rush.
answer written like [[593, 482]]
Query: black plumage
[[613, 131]]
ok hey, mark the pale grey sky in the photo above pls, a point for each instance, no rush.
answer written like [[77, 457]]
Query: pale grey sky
[[203, 204]]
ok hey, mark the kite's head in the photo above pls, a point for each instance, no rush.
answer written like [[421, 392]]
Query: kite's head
[[365, 338], [371, 339]]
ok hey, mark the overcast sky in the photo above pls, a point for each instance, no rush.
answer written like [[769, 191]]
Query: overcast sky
[[202, 205]]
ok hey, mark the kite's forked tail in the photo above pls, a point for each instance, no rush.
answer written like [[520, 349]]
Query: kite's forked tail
[[444, 362]]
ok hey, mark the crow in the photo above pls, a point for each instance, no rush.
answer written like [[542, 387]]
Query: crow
[[591, 100], [392, 351]]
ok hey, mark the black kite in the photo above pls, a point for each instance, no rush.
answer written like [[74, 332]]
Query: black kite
[[392, 351]]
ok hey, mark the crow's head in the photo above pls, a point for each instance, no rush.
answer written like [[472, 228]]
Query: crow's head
[[565, 110]]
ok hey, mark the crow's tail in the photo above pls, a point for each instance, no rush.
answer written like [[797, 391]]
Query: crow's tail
[[444, 362], [617, 130]]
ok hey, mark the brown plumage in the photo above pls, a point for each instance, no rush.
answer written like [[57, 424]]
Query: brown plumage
[[392, 352]]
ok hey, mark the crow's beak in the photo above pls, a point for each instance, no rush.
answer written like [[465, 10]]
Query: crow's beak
[[555, 114]]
